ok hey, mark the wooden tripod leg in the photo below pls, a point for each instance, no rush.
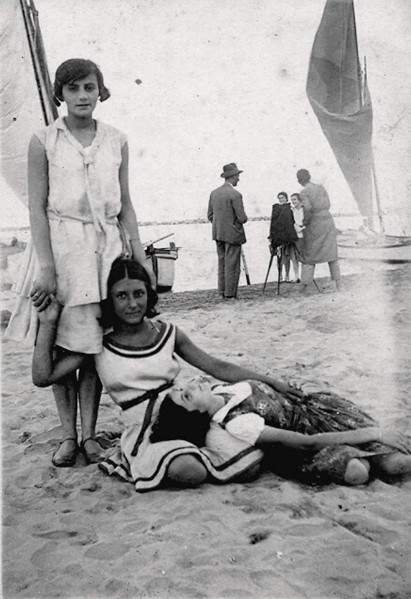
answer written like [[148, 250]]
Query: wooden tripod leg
[[279, 266], [268, 271]]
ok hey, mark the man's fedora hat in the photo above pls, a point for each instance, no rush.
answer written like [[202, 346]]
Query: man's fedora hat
[[229, 170]]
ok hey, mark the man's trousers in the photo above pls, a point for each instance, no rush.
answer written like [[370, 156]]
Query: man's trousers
[[229, 258]]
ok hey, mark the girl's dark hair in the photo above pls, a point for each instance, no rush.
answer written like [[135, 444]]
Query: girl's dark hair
[[74, 69], [296, 195], [175, 422], [282, 193], [126, 268]]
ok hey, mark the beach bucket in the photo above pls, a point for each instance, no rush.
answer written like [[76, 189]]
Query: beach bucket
[[163, 260]]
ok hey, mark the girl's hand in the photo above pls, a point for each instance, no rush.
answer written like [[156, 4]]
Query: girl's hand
[[44, 286], [149, 269], [394, 439], [51, 312]]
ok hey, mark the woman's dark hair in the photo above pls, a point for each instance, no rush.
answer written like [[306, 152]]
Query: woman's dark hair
[[282, 193], [127, 268], [74, 69], [175, 422]]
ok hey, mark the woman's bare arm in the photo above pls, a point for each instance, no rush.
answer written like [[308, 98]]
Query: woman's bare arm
[[222, 370], [45, 370], [316, 442]]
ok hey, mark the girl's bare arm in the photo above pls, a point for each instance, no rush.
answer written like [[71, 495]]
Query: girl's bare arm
[[38, 188]]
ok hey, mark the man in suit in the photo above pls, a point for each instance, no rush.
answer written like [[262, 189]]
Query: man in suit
[[226, 213]]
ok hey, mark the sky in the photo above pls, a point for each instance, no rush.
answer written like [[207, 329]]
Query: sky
[[198, 84]]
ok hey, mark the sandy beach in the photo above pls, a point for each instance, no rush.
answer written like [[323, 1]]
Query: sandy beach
[[76, 533]]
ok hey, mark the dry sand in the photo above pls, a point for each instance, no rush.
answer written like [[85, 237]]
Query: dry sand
[[77, 533]]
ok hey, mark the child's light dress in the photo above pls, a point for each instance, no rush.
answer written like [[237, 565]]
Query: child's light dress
[[84, 202]]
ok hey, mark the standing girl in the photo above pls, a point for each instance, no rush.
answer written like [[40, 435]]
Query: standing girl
[[79, 204]]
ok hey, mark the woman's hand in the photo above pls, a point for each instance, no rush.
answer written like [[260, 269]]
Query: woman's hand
[[51, 312], [44, 286], [395, 439], [288, 389]]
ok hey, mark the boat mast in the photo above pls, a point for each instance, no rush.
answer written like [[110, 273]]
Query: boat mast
[[362, 85]]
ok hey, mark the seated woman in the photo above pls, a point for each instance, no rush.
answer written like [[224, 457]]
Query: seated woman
[[332, 439], [137, 365]]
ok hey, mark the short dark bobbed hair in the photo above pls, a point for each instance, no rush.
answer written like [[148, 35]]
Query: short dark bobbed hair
[[282, 193], [74, 69], [175, 422], [127, 268]]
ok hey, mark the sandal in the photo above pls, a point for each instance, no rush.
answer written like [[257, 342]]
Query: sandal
[[93, 456], [67, 458]]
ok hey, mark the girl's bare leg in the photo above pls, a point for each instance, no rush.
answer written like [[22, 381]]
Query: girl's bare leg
[[65, 396], [357, 472], [89, 399]]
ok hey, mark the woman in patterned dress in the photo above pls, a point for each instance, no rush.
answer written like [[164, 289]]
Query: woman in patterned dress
[[326, 438], [138, 365], [79, 201]]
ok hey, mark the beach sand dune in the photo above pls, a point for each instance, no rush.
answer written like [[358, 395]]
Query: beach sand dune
[[77, 533]]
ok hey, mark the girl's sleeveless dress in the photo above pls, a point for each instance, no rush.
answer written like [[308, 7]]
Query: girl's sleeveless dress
[[315, 413], [137, 379], [83, 204]]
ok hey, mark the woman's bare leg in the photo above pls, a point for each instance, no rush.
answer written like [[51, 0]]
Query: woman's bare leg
[[186, 471], [393, 464], [357, 472], [295, 263], [286, 263]]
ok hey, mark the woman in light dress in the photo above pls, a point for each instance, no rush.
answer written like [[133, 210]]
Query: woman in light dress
[[138, 365]]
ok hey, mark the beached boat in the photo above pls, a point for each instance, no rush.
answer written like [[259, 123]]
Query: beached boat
[[163, 260]]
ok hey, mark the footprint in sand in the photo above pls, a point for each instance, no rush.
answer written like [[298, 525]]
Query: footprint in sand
[[311, 529], [105, 551], [369, 530]]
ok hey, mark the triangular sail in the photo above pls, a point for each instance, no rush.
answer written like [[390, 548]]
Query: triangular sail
[[25, 95], [342, 106]]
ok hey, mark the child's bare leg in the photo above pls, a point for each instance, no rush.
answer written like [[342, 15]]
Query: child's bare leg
[[393, 464], [357, 472]]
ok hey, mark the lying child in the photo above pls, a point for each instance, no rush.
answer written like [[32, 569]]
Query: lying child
[[333, 439]]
